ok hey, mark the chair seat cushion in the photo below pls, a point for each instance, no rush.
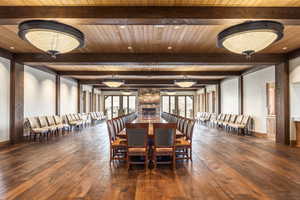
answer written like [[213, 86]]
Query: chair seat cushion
[[137, 150], [40, 130], [182, 142], [161, 150]]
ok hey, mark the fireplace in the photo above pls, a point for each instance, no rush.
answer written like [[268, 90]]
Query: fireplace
[[149, 111]]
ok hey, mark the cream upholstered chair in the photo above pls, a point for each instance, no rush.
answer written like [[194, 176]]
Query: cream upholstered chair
[[59, 122], [36, 129], [44, 124], [51, 123], [243, 126]]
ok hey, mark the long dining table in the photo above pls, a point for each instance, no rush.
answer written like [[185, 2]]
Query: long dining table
[[151, 120]]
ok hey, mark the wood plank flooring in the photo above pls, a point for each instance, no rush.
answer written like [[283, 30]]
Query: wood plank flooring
[[76, 166]]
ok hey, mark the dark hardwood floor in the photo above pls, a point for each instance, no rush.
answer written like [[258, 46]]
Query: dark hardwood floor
[[76, 166]]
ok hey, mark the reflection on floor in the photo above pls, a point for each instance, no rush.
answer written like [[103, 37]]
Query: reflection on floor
[[224, 166]]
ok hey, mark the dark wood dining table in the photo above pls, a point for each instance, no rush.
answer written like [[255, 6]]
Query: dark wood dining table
[[151, 120]]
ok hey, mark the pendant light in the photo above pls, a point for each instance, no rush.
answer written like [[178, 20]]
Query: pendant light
[[126, 92], [250, 37], [51, 36]]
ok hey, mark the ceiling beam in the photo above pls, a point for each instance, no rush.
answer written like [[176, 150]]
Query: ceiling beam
[[147, 81], [135, 89], [147, 58], [149, 73], [172, 15]]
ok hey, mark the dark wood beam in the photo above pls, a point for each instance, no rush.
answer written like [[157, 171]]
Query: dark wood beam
[[241, 94], [16, 102], [133, 87], [148, 81], [148, 58], [57, 95], [150, 73], [219, 97], [129, 15], [79, 97], [282, 103], [294, 54]]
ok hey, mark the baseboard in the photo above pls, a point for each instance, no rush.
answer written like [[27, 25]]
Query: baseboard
[[4, 143], [293, 143], [259, 135]]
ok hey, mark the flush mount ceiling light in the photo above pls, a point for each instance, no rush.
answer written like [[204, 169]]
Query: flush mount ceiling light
[[170, 92], [185, 83], [51, 36], [113, 83], [250, 37], [126, 92]]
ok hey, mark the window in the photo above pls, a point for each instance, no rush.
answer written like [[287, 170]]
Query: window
[[132, 104], [165, 104], [181, 105], [118, 105], [108, 106]]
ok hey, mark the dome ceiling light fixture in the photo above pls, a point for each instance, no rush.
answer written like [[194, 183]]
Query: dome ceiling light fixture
[[250, 37], [113, 83], [126, 92], [51, 36], [185, 83], [170, 92]]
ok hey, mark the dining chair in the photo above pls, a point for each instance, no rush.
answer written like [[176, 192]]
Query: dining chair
[[137, 138], [164, 141], [183, 146], [118, 146]]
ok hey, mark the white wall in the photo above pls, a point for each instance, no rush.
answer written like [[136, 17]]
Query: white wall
[[68, 96], [39, 92], [230, 96], [294, 94], [255, 96], [4, 98]]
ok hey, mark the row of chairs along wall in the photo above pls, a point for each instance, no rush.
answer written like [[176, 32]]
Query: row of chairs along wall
[[45, 126], [228, 122]]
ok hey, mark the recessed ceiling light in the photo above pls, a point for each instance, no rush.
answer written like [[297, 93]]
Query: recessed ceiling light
[[284, 48], [130, 47], [122, 26], [159, 26], [176, 27], [170, 47], [12, 47]]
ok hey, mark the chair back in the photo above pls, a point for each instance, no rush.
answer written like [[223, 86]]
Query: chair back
[[115, 125], [33, 122], [164, 134], [232, 118], [43, 121], [185, 125], [111, 130], [239, 119], [57, 120], [245, 120], [137, 134], [227, 118], [50, 120], [190, 130]]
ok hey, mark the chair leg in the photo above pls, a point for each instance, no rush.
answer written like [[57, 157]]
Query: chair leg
[[191, 153], [174, 160]]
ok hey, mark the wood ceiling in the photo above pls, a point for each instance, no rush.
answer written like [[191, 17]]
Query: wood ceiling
[[148, 39], [268, 3], [174, 37]]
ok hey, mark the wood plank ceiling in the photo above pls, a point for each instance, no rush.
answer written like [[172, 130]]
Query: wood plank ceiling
[[268, 3], [150, 39]]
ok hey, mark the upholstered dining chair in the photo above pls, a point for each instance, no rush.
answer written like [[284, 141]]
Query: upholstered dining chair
[[164, 143], [137, 138], [36, 129], [44, 124], [184, 145], [59, 122], [118, 146]]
